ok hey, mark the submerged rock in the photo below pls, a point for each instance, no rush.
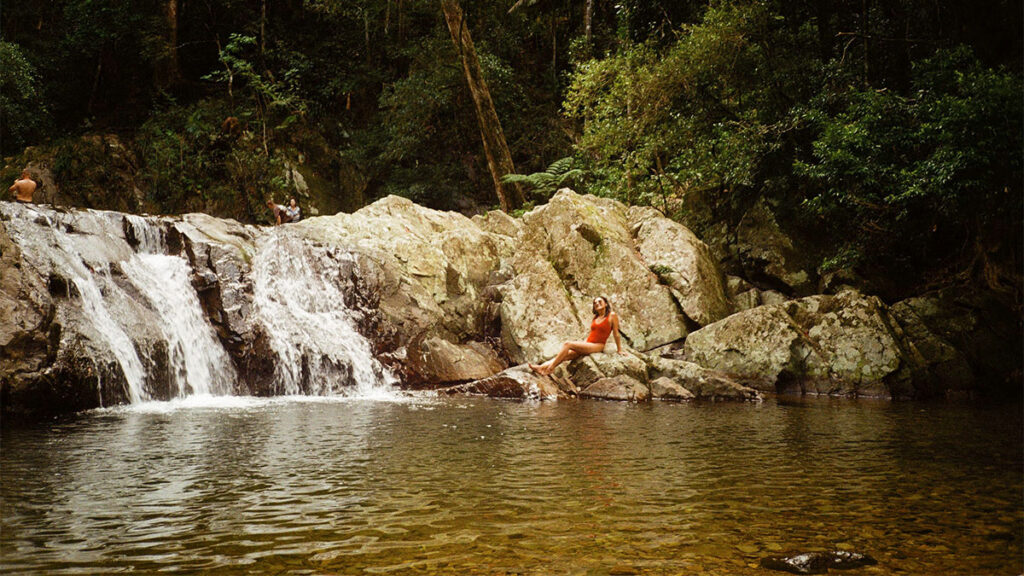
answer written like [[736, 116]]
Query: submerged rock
[[817, 562]]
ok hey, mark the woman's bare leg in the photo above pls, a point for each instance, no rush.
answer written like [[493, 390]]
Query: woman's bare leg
[[543, 368], [569, 351]]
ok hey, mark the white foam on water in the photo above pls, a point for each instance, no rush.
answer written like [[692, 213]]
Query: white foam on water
[[197, 361], [200, 402], [310, 329]]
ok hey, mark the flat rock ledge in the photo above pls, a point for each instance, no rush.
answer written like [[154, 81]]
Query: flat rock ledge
[[631, 378]]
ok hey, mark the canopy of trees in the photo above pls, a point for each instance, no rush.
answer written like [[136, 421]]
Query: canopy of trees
[[888, 131]]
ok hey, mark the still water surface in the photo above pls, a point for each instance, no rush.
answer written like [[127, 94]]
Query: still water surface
[[479, 486]]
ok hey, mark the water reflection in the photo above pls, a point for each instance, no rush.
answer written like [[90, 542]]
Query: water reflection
[[480, 486]]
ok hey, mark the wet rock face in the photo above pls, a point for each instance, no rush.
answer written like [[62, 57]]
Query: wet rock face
[[969, 342], [818, 562]]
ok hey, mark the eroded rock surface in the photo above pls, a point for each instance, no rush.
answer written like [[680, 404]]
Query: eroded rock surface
[[846, 344]]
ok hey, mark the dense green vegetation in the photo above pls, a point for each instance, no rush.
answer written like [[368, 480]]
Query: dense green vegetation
[[889, 134]]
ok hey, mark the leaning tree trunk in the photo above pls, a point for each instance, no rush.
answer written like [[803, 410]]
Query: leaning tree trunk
[[499, 160]]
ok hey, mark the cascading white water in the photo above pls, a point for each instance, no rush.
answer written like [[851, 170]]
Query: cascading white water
[[150, 238], [309, 326], [198, 362], [96, 310], [118, 341]]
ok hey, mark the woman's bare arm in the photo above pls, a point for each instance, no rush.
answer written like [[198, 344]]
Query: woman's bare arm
[[615, 329]]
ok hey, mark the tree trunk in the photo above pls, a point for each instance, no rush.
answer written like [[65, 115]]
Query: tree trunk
[[588, 16], [499, 160], [168, 69]]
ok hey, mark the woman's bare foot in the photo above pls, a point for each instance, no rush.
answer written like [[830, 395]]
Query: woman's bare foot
[[539, 369]]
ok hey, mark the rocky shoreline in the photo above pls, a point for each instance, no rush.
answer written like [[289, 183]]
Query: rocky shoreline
[[460, 304]]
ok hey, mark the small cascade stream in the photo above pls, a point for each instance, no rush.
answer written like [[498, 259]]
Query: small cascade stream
[[198, 362], [127, 306], [96, 310], [310, 328]]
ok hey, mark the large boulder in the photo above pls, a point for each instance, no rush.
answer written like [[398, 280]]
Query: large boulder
[[440, 361], [588, 243], [683, 263], [433, 270], [756, 347], [846, 344], [768, 255], [970, 341], [699, 382]]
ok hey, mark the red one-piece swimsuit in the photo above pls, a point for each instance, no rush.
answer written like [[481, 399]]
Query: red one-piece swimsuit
[[600, 329]]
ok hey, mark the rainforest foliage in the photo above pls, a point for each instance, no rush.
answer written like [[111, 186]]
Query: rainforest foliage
[[889, 133]]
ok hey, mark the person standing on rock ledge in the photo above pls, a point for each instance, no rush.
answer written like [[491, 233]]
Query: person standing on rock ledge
[[605, 323], [23, 188]]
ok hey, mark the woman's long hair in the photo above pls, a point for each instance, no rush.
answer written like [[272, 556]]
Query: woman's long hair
[[607, 306]]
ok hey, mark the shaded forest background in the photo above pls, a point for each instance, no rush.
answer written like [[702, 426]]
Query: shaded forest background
[[886, 137]]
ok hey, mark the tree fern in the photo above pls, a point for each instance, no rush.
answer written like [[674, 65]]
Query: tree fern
[[543, 184]]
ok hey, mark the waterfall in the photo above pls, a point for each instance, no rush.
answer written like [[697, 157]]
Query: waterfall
[[310, 328], [198, 362], [96, 310], [120, 344], [150, 238]]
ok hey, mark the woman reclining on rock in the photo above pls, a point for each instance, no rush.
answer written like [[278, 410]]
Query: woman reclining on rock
[[605, 322]]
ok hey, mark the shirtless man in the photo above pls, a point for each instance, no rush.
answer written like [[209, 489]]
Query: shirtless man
[[23, 188]]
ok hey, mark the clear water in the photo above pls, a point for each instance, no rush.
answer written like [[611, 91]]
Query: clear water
[[478, 486]]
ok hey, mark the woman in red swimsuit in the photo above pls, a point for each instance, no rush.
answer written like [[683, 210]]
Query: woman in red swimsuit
[[605, 322]]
